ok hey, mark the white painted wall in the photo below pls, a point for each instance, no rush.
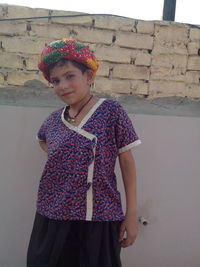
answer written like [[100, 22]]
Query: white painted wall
[[168, 167]]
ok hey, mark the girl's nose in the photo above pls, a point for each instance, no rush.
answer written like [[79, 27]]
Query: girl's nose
[[63, 85]]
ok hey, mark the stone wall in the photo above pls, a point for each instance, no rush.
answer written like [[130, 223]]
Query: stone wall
[[147, 58]]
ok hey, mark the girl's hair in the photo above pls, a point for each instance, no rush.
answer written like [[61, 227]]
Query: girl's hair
[[63, 61]]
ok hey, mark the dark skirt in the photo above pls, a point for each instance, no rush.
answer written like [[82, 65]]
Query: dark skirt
[[74, 244]]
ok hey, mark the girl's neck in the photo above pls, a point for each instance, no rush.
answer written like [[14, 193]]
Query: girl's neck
[[76, 107], [75, 117]]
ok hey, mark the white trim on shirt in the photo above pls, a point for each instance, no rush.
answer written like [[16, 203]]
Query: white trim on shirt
[[129, 146], [79, 130]]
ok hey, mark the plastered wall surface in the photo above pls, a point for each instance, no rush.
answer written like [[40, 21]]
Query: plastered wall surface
[[167, 187], [146, 58]]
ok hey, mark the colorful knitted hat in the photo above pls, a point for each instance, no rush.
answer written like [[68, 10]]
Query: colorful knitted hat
[[68, 49]]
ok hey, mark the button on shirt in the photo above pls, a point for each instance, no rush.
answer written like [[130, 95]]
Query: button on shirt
[[78, 181]]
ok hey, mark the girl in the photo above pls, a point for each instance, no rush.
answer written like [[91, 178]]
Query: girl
[[79, 220]]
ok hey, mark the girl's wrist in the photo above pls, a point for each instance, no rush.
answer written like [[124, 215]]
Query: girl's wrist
[[131, 214]]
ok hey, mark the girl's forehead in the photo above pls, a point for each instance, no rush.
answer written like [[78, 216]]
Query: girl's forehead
[[63, 68]]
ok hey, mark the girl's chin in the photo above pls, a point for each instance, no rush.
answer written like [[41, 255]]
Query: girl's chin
[[72, 99], [68, 100]]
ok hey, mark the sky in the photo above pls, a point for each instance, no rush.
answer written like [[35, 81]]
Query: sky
[[187, 11]]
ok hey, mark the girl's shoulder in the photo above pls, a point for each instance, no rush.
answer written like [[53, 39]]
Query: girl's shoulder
[[56, 112], [112, 103], [112, 106], [54, 116]]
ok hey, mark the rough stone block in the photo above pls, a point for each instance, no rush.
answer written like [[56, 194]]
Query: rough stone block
[[146, 27], [3, 10], [193, 63], [143, 59], [103, 85], [166, 88], [120, 87], [192, 77], [172, 33], [194, 48], [12, 28], [31, 62], [64, 13], [2, 83], [114, 23], [195, 34], [124, 71], [23, 12], [71, 18], [23, 44], [134, 40], [26, 12], [91, 35], [139, 87], [169, 74], [170, 61], [49, 31], [171, 39], [169, 48], [193, 91], [113, 54], [8, 60], [20, 77], [104, 69]]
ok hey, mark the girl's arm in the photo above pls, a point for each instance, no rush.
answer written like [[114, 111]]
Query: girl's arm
[[43, 145], [129, 225]]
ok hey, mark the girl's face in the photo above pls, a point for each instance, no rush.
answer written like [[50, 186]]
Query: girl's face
[[70, 84]]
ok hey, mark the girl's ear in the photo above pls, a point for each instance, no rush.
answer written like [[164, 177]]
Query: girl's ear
[[90, 77]]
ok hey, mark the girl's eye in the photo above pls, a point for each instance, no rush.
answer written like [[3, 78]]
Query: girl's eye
[[69, 76], [54, 82]]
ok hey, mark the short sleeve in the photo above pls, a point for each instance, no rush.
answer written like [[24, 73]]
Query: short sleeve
[[125, 134], [41, 135]]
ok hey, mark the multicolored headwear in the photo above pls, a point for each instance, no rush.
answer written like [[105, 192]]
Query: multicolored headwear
[[68, 49]]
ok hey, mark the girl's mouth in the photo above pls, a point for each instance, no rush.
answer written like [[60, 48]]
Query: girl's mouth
[[66, 94]]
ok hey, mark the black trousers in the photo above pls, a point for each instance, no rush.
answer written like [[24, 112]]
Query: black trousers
[[74, 244]]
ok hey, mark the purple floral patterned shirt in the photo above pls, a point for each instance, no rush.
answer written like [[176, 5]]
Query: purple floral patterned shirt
[[78, 181]]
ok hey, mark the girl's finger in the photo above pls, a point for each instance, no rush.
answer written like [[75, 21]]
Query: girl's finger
[[126, 243]]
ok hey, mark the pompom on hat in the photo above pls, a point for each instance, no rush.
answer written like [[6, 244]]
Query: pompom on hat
[[68, 49]]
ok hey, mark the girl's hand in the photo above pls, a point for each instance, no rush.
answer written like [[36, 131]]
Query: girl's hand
[[130, 228]]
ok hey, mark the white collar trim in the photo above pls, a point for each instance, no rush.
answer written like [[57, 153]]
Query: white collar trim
[[85, 119]]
